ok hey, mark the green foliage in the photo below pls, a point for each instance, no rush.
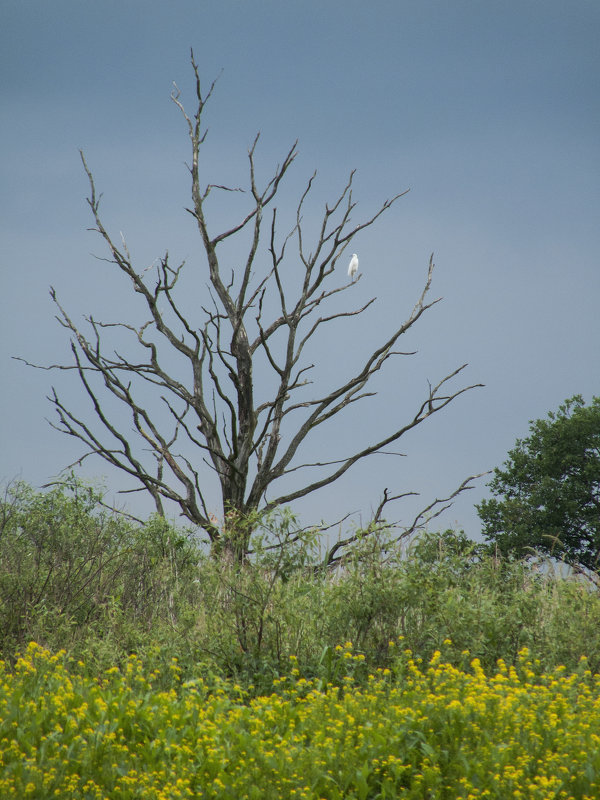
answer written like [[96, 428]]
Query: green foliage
[[550, 489], [417, 730], [58, 561], [74, 576], [437, 669]]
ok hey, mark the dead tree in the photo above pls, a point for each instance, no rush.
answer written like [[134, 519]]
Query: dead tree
[[214, 412]]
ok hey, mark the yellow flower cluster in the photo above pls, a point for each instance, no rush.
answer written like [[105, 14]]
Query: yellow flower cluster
[[418, 731]]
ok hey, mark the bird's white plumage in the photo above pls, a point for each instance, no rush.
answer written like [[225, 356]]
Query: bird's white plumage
[[353, 266]]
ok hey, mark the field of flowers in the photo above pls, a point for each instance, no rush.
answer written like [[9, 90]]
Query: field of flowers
[[416, 731]]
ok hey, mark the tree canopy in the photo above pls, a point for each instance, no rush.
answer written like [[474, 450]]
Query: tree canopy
[[549, 489]]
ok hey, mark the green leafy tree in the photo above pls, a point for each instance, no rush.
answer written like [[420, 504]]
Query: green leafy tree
[[549, 489]]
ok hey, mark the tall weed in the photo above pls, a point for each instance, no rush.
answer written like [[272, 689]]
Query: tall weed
[[75, 576]]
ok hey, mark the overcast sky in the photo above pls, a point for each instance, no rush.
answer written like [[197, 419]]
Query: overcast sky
[[487, 111]]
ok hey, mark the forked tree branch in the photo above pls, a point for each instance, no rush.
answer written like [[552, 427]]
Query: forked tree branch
[[231, 373]]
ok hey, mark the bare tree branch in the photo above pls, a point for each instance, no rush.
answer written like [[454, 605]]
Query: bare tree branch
[[231, 373], [336, 554]]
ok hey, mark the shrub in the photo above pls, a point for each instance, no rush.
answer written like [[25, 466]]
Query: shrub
[[72, 571], [75, 576]]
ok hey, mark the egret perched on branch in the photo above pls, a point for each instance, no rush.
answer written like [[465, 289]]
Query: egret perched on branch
[[353, 266]]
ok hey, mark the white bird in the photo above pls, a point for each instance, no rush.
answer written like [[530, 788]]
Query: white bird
[[353, 266]]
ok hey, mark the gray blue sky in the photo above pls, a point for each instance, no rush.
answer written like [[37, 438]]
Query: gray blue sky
[[488, 112]]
